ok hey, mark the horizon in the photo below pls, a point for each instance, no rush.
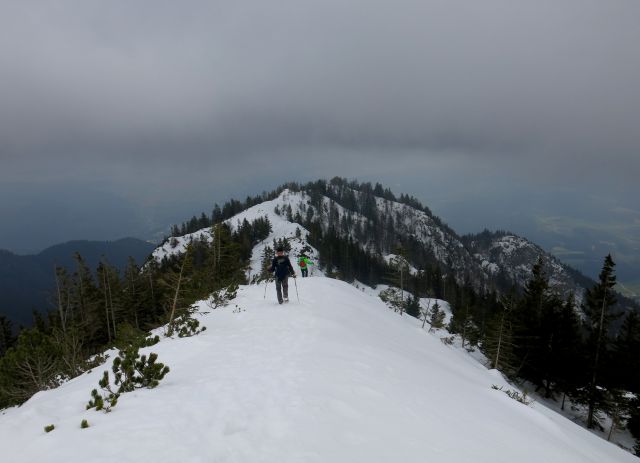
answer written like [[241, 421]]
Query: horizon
[[127, 117], [590, 269]]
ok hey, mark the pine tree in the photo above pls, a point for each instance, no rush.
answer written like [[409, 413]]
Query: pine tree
[[131, 293], [436, 317], [412, 306], [109, 286], [566, 365], [86, 299], [267, 257], [462, 323], [499, 343], [531, 311], [399, 273], [626, 350], [600, 300], [633, 422], [177, 282], [31, 365], [6, 335]]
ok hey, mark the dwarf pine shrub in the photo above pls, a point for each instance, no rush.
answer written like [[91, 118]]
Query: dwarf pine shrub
[[515, 395], [131, 371]]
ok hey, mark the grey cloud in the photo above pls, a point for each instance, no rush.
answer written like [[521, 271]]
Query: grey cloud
[[149, 79], [220, 99]]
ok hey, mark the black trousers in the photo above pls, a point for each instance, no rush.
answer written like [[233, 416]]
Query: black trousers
[[282, 286], [305, 272]]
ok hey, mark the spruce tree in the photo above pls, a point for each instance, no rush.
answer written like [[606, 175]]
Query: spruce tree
[[530, 315], [462, 323], [626, 358], [600, 300], [498, 343], [412, 306], [436, 317], [6, 334], [566, 362], [31, 365]]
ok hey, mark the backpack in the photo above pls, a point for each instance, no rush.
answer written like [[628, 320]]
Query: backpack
[[302, 263]]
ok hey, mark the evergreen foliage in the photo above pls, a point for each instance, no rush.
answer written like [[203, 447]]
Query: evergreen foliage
[[600, 300], [6, 335], [222, 297], [32, 365], [412, 307], [498, 342], [436, 317], [531, 335], [515, 395], [185, 325], [95, 310], [131, 371]]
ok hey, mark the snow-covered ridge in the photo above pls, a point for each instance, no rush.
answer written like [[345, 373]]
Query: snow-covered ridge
[[505, 257], [281, 228], [514, 256], [336, 377]]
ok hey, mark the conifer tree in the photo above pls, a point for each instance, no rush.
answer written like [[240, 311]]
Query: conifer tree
[[566, 364], [462, 323], [530, 315], [85, 297], [399, 273], [6, 334], [499, 343], [626, 354], [600, 300], [31, 365], [412, 306], [267, 256], [177, 282], [436, 317], [131, 293]]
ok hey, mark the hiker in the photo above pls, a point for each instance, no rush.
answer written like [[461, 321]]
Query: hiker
[[281, 266], [304, 263]]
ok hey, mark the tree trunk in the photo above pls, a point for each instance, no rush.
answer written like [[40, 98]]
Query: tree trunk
[[106, 301], [592, 386], [175, 297]]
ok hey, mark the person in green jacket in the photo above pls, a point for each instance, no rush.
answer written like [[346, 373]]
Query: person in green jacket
[[304, 263]]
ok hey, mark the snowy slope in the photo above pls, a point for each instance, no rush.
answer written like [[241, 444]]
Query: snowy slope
[[486, 262], [514, 256], [281, 228], [337, 377]]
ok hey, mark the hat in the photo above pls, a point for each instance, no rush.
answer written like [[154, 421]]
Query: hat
[[279, 249]]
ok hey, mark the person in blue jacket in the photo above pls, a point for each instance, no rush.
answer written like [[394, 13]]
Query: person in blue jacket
[[282, 268]]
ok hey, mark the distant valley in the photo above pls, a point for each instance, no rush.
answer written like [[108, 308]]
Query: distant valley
[[27, 282]]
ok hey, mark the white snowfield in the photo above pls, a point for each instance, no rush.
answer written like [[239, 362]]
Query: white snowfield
[[336, 377]]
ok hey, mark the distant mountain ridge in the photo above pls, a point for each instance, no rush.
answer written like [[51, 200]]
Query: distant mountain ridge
[[26, 282], [380, 222]]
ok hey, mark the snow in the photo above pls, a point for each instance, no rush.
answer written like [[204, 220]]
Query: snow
[[336, 377], [425, 302], [393, 258], [281, 228]]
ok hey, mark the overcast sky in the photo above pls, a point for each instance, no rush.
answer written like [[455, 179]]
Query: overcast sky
[[154, 110]]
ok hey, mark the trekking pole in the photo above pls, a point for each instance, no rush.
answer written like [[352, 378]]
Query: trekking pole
[[296, 283], [266, 283]]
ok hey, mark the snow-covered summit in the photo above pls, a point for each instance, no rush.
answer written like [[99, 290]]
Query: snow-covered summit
[[276, 212], [487, 261], [336, 377]]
